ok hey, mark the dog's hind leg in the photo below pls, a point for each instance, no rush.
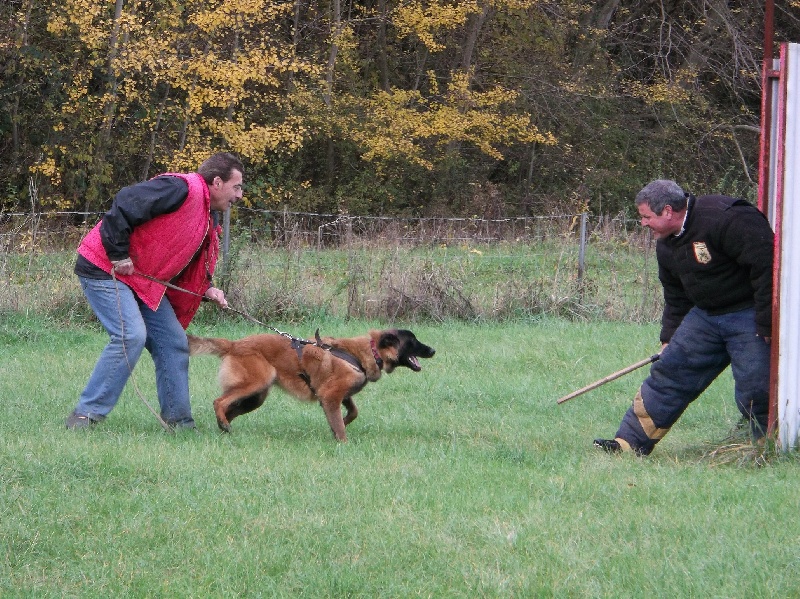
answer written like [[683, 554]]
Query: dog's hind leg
[[352, 410], [233, 404], [245, 405], [245, 384]]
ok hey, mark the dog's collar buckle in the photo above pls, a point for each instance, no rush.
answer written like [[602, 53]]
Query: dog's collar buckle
[[375, 354]]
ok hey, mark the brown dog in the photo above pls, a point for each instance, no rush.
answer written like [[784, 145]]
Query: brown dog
[[329, 370]]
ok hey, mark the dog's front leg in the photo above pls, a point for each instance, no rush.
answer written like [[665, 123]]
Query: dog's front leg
[[352, 410], [333, 412]]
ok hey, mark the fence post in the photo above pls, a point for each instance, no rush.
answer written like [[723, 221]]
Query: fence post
[[582, 251], [34, 193], [226, 237]]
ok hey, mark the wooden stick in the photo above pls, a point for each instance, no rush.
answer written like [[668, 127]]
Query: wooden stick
[[609, 378]]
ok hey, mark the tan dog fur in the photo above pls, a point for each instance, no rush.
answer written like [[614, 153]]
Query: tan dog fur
[[250, 366]]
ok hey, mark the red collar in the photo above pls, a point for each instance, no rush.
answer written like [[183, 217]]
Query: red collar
[[375, 354]]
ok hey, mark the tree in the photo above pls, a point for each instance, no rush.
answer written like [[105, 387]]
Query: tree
[[381, 105]]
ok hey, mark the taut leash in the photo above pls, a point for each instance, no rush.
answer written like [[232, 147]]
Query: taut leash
[[295, 340]]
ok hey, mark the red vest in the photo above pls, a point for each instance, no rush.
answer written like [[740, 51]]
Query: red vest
[[181, 247]]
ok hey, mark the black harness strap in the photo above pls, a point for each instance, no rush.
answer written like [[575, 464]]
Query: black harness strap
[[298, 345], [347, 357]]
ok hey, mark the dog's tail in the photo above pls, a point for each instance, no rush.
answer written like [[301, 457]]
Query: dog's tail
[[208, 345]]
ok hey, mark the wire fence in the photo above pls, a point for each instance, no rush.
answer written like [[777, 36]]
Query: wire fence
[[281, 264], [55, 230]]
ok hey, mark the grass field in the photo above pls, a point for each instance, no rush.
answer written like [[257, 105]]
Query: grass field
[[463, 480]]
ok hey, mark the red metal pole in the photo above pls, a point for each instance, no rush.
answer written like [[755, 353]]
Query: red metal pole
[[778, 225]]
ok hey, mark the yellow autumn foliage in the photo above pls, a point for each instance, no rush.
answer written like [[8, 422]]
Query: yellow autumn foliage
[[426, 21], [222, 76], [661, 90], [402, 123]]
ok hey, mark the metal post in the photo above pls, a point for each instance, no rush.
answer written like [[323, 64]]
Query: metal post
[[226, 236], [582, 251]]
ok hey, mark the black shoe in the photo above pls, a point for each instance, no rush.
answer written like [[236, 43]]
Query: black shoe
[[76, 421], [608, 445]]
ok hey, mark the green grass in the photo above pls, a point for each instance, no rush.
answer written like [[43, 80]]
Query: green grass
[[463, 480]]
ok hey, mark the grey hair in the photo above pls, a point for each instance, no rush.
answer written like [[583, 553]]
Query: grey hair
[[660, 193]]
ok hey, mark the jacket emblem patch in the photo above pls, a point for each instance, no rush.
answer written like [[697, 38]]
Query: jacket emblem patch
[[701, 253]]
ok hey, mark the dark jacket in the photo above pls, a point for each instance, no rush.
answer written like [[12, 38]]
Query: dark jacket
[[721, 263]]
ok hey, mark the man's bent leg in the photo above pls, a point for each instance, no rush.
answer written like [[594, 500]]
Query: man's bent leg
[[169, 347], [695, 356], [117, 309]]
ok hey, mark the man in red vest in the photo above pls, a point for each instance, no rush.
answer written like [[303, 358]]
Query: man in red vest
[[165, 229]]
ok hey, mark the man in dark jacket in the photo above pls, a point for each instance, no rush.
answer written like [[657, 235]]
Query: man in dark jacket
[[715, 265]]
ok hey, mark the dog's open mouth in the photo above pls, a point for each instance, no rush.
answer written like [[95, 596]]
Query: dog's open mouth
[[413, 363]]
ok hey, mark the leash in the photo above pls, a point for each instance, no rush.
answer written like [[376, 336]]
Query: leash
[[297, 341]]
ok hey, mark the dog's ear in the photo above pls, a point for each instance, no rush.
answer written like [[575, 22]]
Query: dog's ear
[[388, 339]]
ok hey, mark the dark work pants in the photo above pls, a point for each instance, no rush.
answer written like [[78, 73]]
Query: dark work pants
[[701, 348]]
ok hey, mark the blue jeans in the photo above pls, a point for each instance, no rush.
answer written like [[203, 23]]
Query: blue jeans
[[700, 349], [132, 327]]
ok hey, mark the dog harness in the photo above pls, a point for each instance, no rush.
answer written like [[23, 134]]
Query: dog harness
[[298, 345]]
